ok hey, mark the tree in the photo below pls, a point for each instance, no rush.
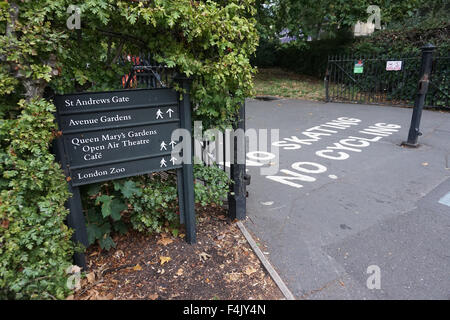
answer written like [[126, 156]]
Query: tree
[[310, 18], [208, 40]]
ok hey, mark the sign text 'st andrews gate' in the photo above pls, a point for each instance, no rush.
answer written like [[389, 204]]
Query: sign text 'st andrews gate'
[[112, 135]]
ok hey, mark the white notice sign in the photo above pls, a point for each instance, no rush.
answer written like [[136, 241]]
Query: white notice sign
[[393, 65]]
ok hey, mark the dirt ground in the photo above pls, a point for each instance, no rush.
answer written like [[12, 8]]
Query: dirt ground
[[221, 266]]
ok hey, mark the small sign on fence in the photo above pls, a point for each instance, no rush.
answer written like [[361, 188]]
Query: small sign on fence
[[393, 65], [359, 67], [118, 134]]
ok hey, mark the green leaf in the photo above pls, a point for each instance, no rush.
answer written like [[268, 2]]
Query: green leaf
[[116, 207], [106, 204], [94, 189], [120, 227], [94, 233], [107, 243], [130, 188]]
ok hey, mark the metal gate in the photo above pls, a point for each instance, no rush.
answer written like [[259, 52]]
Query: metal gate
[[146, 73], [386, 80]]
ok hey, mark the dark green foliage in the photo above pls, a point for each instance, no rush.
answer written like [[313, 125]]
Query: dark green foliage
[[211, 186], [35, 246], [402, 38], [309, 58], [325, 19], [146, 203], [211, 41], [405, 41]]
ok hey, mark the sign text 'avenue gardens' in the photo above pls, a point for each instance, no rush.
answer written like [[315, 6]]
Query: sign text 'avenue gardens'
[[118, 134]]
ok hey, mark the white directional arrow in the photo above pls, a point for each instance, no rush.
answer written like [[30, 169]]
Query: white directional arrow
[[159, 114], [170, 112], [172, 144], [173, 160], [163, 146], [163, 163]]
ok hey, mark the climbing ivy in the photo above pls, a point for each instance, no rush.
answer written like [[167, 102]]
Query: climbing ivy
[[35, 246], [210, 41]]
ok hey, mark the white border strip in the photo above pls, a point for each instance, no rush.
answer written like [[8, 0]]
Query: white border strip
[[275, 276]]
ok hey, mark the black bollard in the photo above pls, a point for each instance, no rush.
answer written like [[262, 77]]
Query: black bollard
[[414, 130], [237, 197]]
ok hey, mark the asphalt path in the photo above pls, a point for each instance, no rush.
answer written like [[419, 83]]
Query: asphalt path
[[341, 210]]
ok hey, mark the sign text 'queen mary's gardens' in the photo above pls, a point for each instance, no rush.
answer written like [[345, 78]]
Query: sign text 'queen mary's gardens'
[[111, 135]]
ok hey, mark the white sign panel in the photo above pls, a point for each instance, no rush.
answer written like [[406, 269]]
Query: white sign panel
[[393, 65]]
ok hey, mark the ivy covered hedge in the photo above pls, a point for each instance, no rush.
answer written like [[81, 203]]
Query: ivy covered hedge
[[35, 247], [399, 40], [308, 58], [406, 41], [210, 41]]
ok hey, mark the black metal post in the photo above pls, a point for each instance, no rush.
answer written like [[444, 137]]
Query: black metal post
[[326, 83], [75, 219], [180, 194], [187, 174], [414, 130], [237, 197]]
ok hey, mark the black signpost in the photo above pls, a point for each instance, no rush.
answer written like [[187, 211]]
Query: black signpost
[[119, 134]]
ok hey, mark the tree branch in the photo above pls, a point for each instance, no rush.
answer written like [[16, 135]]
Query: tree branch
[[118, 53]]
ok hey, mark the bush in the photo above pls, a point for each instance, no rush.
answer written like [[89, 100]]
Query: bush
[[146, 203], [266, 55], [208, 40], [35, 246], [404, 42], [310, 58]]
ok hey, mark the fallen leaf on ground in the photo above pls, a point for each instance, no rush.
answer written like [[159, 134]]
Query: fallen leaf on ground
[[220, 237], [250, 270], [233, 276], [90, 277], [180, 272], [153, 296], [204, 256], [119, 254], [107, 297], [164, 259], [137, 267], [164, 241], [93, 294]]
